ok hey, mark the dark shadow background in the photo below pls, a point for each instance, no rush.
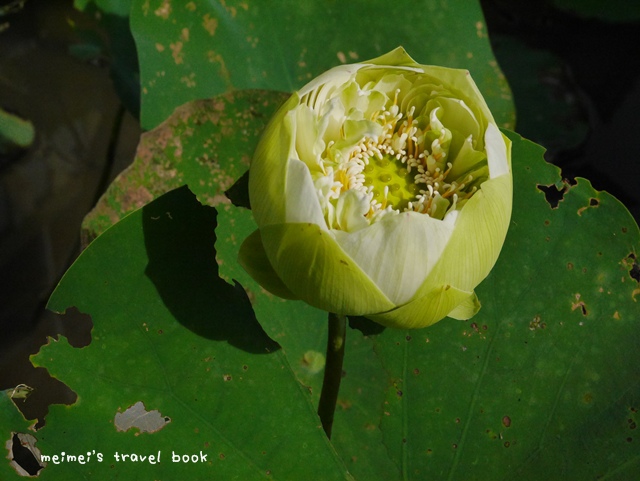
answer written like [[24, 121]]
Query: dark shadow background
[[575, 80]]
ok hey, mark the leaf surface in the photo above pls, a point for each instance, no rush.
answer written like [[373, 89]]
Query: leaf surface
[[200, 49], [170, 333]]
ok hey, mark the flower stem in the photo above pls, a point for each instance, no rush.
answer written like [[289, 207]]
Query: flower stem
[[332, 371]]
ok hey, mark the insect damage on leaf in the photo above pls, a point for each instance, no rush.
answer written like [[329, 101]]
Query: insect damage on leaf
[[553, 194], [138, 417], [634, 268], [24, 455], [593, 202]]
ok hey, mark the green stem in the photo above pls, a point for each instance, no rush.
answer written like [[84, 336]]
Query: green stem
[[332, 371]]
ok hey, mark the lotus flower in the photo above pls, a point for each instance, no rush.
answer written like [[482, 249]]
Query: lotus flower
[[381, 189]]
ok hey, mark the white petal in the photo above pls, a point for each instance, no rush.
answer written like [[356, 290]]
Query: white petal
[[496, 152], [398, 252], [302, 201], [323, 86], [309, 145], [350, 211]]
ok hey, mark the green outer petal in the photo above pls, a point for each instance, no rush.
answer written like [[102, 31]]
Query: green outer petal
[[397, 56], [481, 227], [314, 268], [268, 173], [253, 259], [425, 310], [467, 309]]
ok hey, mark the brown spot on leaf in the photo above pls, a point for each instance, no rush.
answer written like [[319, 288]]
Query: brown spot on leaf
[[579, 305], [210, 24], [536, 324], [189, 80]]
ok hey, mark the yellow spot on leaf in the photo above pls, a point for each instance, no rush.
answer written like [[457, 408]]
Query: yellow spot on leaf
[[178, 55], [190, 80], [164, 10], [159, 47], [191, 6], [210, 24], [214, 57], [313, 361], [342, 57], [185, 34], [233, 11]]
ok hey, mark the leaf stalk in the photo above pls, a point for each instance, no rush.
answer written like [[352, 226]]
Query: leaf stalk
[[332, 370]]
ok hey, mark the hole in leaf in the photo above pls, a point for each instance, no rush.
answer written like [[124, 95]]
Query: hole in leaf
[[634, 272], [593, 202], [25, 457], [552, 194], [16, 370]]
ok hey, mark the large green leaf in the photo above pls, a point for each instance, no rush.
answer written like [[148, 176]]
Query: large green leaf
[[548, 370], [199, 49], [170, 333]]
